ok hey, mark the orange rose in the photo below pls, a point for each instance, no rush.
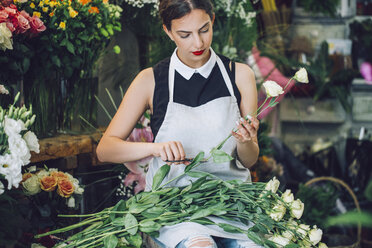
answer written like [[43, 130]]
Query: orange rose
[[93, 10], [48, 183], [58, 175], [65, 188], [83, 2], [26, 176]]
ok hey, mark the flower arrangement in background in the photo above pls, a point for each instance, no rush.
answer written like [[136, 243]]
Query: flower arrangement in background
[[16, 142], [56, 183]]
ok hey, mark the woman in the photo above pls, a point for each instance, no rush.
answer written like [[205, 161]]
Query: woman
[[196, 99]]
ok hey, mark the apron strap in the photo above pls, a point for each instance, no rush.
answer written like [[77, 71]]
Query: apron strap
[[225, 76], [171, 80]]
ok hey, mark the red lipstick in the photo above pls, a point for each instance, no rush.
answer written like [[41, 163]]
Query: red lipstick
[[198, 53]]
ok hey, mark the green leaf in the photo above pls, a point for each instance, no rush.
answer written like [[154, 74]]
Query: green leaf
[[137, 208], [148, 226], [110, 241], [201, 174], [131, 224], [204, 221], [104, 32], [202, 213], [368, 191], [153, 212], [220, 156], [254, 237], [56, 61], [135, 240], [118, 222], [116, 49], [195, 162], [186, 189], [230, 228], [70, 47], [159, 176], [272, 244], [272, 101]]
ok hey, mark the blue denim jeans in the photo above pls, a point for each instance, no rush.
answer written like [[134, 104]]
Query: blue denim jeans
[[206, 241]]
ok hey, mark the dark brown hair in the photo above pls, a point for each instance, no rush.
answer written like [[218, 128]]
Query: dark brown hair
[[175, 9]]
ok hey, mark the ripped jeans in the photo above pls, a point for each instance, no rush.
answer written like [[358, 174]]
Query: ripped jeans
[[206, 241]]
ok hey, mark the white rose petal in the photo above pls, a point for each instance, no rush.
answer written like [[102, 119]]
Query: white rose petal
[[302, 229], [18, 147], [301, 76], [42, 173], [287, 196], [10, 167], [12, 127], [288, 234], [32, 141], [2, 188], [71, 202], [6, 41], [32, 185], [79, 190], [272, 88], [277, 212], [315, 235], [297, 208], [3, 90], [322, 245], [272, 185], [280, 241]]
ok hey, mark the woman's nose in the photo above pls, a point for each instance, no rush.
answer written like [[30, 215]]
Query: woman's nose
[[198, 42]]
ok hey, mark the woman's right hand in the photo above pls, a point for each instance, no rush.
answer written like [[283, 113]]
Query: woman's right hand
[[170, 151]]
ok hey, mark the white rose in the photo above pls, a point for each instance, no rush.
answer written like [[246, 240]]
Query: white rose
[[32, 185], [71, 202], [315, 235], [272, 88], [42, 174], [277, 212], [301, 76], [288, 234], [302, 229], [18, 147], [2, 188], [272, 185], [297, 208], [12, 127], [32, 141], [10, 167], [6, 41], [291, 224], [280, 241], [322, 245], [3, 90], [287, 196], [79, 190]]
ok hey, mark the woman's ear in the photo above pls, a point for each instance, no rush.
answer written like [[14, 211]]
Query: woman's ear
[[168, 32]]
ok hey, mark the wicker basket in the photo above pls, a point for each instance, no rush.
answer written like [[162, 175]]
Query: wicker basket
[[356, 202]]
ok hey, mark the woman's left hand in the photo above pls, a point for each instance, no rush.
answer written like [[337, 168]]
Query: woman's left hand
[[246, 129]]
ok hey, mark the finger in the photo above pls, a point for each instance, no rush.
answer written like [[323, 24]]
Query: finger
[[163, 155], [169, 153], [175, 151], [181, 150], [238, 136]]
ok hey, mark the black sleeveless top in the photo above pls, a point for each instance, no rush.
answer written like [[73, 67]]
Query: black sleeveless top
[[193, 92]]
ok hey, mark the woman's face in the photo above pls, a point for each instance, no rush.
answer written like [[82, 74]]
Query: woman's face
[[193, 37]]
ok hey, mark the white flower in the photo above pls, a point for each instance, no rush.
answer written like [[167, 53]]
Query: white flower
[[12, 127], [3, 90], [291, 224], [22, 1], [297, 208], [5, 37], [288, 234], [301, 76], [280, 241], [42, 173], [272, 185], [34, 245], [287, 196], [18, 147], [277, 212], [32, 185], [78, 190], [302, 229], [32, 141], [10, 167], [272, 88], [315, 235], [71, 202], [322, 245], [2, 188], [32, 168]]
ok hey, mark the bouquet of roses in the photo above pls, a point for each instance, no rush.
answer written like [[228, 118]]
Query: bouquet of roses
[[16, 142], [59, 183]]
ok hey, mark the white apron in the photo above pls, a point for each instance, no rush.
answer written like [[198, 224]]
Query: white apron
[[199, 129]]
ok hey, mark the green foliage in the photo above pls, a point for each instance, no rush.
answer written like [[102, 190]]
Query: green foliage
[[319, 203], [327, 7]]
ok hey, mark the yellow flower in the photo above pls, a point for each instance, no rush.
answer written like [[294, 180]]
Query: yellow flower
[[41, 4], [38, 14], [45, 9], [32, 5], [51, 14], [72, 12], [62, 25], [105, 1]]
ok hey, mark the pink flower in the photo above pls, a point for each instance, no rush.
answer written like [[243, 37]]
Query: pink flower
[[11, 10], [37, 25], [23, 24], [366, 71], [5, 3], [141, 135], [139, 178], [25, 14], [3, 16], [10, 26]]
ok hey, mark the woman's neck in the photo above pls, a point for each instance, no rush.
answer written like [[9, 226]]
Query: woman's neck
[[195, 63]]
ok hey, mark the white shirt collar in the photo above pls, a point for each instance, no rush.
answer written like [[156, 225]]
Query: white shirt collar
[[187, 71]]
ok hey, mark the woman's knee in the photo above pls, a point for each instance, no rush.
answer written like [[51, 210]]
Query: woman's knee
[[198, 241]]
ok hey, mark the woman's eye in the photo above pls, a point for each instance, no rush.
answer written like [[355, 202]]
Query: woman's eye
[[185, 36], [205, 30]]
